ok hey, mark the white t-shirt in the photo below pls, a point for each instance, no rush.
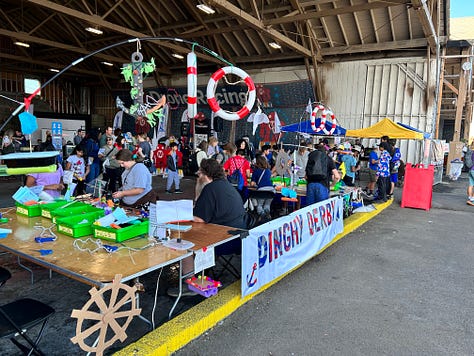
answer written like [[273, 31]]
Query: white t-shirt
[[78, 165]]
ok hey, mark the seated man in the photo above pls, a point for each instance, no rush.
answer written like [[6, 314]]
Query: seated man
[[218, 202]]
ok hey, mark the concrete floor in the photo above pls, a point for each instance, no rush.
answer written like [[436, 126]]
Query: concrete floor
[[65, 294], [401, 284]]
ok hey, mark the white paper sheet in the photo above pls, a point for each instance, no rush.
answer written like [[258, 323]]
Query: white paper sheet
[[174, 210], [204, 259]]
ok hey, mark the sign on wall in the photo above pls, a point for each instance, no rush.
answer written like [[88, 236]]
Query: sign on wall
[[274, 248]]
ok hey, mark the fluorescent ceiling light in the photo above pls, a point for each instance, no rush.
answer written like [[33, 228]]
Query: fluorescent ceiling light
[[274, 45], [22, 44], [93, 30], [176, 55], [54, 70], [207, 9], [108, 64]]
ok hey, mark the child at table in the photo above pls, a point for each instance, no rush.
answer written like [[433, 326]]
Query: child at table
[[76, 164], [261, 179]]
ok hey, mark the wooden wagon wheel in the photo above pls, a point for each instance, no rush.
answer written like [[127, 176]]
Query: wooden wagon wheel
[[110, 318]]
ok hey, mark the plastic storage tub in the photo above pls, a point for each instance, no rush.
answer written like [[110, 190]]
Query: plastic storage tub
[[76, 209], [46, 209], [122, 234], [79, 225]]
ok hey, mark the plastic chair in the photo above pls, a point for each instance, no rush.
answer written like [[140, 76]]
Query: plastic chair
[[18, 317], [5, 275]]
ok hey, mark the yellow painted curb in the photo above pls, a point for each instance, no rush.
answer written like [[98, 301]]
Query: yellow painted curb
[[187, 326]]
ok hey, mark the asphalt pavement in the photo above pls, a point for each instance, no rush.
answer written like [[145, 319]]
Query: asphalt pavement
[[402, 284]]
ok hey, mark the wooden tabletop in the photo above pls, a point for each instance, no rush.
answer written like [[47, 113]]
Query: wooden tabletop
[[206, 235], [95, 268]]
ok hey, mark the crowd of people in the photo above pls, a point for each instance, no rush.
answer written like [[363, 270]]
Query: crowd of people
[[127, 164]]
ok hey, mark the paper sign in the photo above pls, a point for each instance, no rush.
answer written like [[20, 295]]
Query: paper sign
[[121, 216], [24, 194], [36, 189], [174, 210], [204, 258], [106, 220]]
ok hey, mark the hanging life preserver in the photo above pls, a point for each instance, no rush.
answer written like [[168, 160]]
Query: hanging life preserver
[[314, 113], [192, 84], [322, 125], [333, 121], [211, 88]]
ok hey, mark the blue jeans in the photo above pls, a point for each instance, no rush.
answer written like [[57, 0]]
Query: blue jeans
[[94, 171], [316, 192], [173, 177]]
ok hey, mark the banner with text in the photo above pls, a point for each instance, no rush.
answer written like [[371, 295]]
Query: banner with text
[[274, 248]]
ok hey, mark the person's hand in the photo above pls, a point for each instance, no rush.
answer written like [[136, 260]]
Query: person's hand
[[117, 195], [59, 186]]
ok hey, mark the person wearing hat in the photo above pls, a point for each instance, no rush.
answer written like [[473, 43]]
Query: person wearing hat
[[383, 171]]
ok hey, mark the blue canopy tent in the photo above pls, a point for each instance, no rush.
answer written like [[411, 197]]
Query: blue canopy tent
[[425, 134], [305, 127]]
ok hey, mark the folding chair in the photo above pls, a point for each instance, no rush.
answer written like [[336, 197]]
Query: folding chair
[[224, 255], [4, 276], [18, 317]]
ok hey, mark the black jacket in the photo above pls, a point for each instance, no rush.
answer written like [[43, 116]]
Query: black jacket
[[170, 163]]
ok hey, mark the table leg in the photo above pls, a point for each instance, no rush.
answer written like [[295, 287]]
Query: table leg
[[137, 298], [180, 288], [28, 269]]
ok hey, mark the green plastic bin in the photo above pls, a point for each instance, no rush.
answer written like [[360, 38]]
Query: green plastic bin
[[28, 210], [46, 209], [76, 209], [119, 235], [79, 225]]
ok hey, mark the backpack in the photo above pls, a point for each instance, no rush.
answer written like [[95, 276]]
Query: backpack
[[317, 166], [219, 157], [468, 159], [192, 163], [236, 178]]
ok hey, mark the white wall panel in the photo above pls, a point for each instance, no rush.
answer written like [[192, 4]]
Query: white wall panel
[[364, 92]]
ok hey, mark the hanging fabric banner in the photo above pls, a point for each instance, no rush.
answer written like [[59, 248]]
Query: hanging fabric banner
[[275, 248]]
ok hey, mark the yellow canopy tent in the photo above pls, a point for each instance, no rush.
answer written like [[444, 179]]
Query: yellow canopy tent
[[385, 127]]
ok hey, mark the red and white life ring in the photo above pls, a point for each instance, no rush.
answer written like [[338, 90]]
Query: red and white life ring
[[314, 113], [192, 84], [333, 121], [211, 88], [324, 114]]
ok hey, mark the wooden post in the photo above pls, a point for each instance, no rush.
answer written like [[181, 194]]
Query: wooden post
[[469, 102], [460, 102], [440, 95]]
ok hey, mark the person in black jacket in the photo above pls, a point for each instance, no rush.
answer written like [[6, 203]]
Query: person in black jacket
[[172, 165]]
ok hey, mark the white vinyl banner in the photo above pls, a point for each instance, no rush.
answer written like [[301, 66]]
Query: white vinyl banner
[[274, 248]]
